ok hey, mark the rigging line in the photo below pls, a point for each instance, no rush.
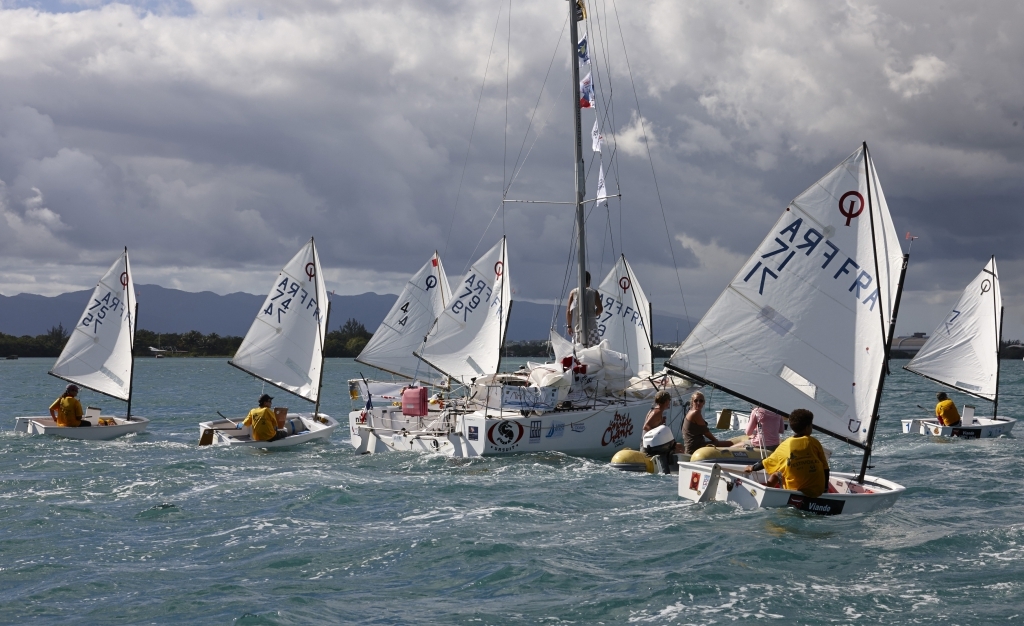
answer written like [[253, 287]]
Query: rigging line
[[504, 147], [515, 168], [472, 256], [650, 159], [472, 132]]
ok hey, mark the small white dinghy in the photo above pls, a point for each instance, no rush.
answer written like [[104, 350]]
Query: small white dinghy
[[847, 494], [284, 347], [98, 356], [963, 354], [808, 322]]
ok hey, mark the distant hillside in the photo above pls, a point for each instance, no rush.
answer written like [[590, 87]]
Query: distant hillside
[[165, 310]]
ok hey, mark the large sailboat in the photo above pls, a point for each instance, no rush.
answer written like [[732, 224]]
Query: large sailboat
[[591, 401], [808, 323], [98, 356], [963, 354], [285, 347]]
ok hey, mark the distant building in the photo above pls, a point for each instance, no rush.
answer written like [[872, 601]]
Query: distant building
[[907, 347]]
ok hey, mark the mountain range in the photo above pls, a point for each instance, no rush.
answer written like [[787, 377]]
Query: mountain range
[[164, 310]]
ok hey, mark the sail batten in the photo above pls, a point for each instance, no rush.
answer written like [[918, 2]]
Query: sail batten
[[98, 354], [403, 329], [805, 322], [963, 350], [465, 341], [284, 345]]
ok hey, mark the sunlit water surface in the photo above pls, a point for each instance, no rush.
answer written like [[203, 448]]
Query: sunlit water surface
[[152, 528]]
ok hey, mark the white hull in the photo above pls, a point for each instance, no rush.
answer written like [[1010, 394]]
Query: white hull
[[980, 428], [593, 432], [702, 482], [45, 425], [225, 433]]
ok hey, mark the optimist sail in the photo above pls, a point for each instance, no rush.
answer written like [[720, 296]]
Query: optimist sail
[[963, 351], [284, 345], [98, 354], [465, 342], [806, 321], [402, 332], [626, 320]]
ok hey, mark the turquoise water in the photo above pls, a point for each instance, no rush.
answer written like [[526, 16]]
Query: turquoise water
[[153, 529]]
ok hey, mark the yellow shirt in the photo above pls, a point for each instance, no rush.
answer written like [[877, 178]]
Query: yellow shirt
[[263, 422], [802, 463], [946, 411], [69, 411]]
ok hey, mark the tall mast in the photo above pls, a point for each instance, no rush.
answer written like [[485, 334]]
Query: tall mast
[[132, 324], [999, 338], [320, 336], [886, 337], [581, 261]]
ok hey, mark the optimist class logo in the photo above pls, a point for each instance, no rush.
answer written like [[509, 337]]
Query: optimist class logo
[[856, 206]]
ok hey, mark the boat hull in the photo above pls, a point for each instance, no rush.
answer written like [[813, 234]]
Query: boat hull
[[711, 482], [45, 425], [981, 428], [593, 432], [225, 433]]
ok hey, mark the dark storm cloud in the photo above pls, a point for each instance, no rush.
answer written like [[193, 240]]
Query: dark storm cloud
[[213, 138]]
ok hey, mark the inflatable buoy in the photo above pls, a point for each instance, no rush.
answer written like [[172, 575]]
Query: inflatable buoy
[[629, 460], [731, 455]]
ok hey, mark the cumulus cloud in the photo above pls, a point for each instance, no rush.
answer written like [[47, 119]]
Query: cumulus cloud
[[214, 136]]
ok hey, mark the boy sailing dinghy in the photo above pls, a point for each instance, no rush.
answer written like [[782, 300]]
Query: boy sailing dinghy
[[591, 401], [284, 347], [98, 356], [808, 323], [963, 353]]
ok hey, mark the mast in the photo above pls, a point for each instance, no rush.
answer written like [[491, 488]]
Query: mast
[[887, 337], [581, 261], [133, 324], [320, 336], [999, 344]]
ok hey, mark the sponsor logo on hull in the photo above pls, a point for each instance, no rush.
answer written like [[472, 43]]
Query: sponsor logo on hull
[[556, 430], [504, 435], [619, 428], [535, 429], [474, 433], [578, 427], [816, 505]]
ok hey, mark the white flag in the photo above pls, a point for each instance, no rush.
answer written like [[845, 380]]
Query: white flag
[[602, 193], [597, 137]]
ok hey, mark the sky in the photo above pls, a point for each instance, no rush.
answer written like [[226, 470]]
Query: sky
[[214, 137]]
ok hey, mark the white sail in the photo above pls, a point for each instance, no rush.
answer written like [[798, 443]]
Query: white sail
[[98, 354], [805, 322], [284, 345], [400, 334], [465, 343], [963, 351], [626, 320]]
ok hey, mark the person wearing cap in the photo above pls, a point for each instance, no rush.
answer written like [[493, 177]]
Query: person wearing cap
[[263, 421], [67, 410]]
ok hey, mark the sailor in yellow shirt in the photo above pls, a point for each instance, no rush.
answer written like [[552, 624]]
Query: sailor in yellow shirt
[[67, 410], [263, 421], [946, 411], [799, 463]]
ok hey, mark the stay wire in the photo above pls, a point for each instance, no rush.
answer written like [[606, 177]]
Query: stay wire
[[472, 131], [650, 159]]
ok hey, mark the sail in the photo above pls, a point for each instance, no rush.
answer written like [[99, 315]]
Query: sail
[[805, 322], [284, 345], [465, 343], [400, 334], [98, 354], [626, 320], [963, 351]]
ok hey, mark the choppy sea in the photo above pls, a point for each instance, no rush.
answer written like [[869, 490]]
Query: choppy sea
[[154, 529]]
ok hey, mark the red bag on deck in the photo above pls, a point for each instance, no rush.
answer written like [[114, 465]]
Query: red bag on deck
[[414, 402]]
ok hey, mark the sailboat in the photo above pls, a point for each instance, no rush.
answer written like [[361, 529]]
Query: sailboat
[[591, 401], [285, 347], [808, 323], [963, 354], [98, 356]]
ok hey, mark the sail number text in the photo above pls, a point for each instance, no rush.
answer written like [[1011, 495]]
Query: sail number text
[[100, 308], [282, 301]]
